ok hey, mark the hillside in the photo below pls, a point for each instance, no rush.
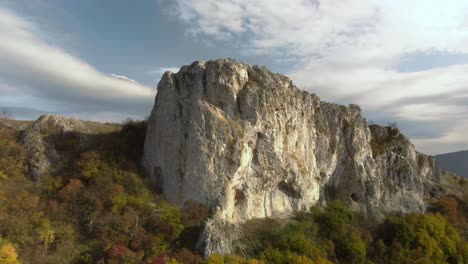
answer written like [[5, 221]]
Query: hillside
[[239, 166], [100, 208], [455, 162]]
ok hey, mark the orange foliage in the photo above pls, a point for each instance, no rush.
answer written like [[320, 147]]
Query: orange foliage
[[25, 200], [52, 206], [72, 188], [195, 212], [449, 207], [186, 256]]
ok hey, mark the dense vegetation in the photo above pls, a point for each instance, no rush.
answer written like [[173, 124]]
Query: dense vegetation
[[101, 209], [337, 235]]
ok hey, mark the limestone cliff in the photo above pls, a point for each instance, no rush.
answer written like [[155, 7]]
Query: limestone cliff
[[50, 141], [248, 143]]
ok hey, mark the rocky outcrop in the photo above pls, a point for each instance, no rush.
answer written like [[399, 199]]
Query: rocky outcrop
[[248, 143], [218, 236], [51, 140]]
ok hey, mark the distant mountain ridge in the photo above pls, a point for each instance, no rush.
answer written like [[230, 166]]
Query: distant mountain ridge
[[454, 162]]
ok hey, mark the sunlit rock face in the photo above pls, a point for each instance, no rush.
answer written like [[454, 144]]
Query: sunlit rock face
[[249, 144]]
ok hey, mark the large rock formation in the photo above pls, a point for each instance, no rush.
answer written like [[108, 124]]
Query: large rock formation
[[248, 143], [51, 140]]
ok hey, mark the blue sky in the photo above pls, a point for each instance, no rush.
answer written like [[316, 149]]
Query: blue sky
[[401, 61]]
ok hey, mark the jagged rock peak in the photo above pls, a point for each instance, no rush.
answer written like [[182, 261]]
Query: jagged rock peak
[[248, 143], [51, 123]]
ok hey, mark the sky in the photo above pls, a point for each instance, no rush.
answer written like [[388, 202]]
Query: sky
[[401, 61]]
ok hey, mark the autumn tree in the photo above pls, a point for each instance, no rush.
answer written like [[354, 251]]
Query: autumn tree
[[449, 207], [8, 254]]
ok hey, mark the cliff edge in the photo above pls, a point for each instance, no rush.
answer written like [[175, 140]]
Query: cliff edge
[[248, 143]]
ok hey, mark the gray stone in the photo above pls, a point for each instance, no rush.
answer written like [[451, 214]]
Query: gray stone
[[218, 236], [39, 146], [51, 140], [249, 144]]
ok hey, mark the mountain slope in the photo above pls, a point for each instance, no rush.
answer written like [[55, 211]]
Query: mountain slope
[[97, 207], [89, 203], [455, 162]]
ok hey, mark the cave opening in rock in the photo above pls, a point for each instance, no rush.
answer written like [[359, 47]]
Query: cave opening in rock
[[354, 197], [288, 189], [239, 197]]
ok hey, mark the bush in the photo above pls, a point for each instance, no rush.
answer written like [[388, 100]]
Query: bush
[[8, 254], [102, 209], [11, 155], [335, 219]]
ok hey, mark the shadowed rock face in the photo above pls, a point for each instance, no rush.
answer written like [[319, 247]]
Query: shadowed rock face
[[39, 140], [249, 144], [51, 140]]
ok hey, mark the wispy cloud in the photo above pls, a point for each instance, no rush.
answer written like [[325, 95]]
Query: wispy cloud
[[350, 51], [49, 73], [123, 78]]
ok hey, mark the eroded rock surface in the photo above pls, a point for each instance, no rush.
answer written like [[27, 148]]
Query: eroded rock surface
[[249, 144], [50, 141]]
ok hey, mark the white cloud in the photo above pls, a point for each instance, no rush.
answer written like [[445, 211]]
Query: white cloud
[[349, 51], [456, 138], [306, 28], [430, 112], [123, 78], [49, 73]]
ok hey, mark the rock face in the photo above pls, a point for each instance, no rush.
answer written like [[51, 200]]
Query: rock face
[[52, 139], [249, 144], [42, 155]]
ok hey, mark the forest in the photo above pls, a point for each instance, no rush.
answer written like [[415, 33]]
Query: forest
[[102, 209]]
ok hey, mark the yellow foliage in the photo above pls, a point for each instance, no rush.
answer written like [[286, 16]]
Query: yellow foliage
[[216, 259], [89, 164], [254, 261], [46, 233], [172, 261], [8, 255], [300, 260], [233, 259], [47, 237], [230, 259]]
